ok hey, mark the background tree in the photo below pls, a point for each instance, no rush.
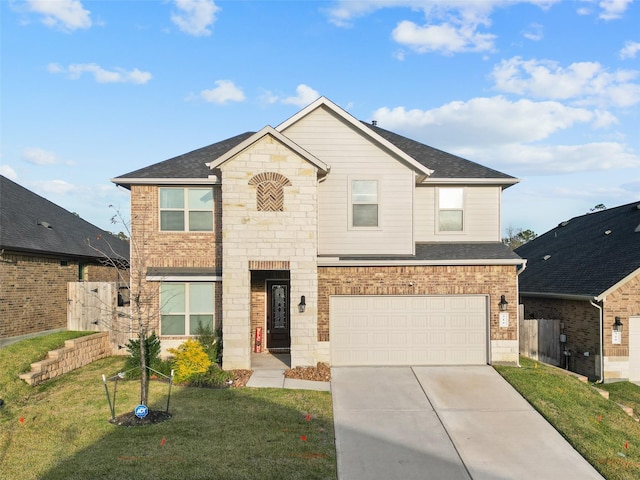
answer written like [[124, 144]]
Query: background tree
[[517, 237], [597, 208]]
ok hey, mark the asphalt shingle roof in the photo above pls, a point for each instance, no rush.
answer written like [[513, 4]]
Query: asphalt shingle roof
[[31, 223], [586, 255], [441, 251], [444, 165]]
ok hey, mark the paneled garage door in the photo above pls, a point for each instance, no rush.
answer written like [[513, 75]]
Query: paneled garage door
[[408, 330]]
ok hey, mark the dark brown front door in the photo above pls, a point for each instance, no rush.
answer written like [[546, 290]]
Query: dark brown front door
[[278, 327]]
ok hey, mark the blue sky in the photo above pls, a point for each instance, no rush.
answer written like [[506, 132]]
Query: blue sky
[[547, 91]]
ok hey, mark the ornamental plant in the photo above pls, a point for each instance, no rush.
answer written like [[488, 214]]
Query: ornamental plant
[[190, 360]]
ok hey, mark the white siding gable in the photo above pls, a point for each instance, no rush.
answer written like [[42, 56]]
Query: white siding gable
[[352, 156]]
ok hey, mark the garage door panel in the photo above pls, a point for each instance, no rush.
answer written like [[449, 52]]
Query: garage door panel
[[408, 330]]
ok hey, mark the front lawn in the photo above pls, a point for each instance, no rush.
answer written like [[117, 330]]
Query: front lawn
[[597, 428], [60, 430]]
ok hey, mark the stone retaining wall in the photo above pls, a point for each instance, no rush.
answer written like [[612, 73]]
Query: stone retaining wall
[[76, 353]]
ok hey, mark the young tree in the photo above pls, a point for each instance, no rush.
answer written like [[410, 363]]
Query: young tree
[[143, 311], [517, 237]]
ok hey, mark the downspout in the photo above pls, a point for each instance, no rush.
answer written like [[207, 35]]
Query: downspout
[[519, 270], [601, 334]]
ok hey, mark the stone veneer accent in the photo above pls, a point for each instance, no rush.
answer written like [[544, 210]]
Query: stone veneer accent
[[76, 353], [252, 236]]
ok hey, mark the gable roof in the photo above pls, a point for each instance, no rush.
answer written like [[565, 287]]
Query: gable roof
[[588, 256], [32, 224], [279, 137], [445, 166], [432, 165]]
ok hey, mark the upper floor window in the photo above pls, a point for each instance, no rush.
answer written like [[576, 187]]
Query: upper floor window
[[185, 306], [364, 203], [186, 209], [450, 209]]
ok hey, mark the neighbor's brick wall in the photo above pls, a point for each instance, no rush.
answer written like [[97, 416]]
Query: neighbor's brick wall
[[103, 273], [623, 303], [580, 321], [427, 280], [152, 248], [76, 353], [33, 297]]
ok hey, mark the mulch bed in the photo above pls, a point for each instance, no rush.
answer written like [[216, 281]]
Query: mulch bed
[[320, 373], [129, 419]]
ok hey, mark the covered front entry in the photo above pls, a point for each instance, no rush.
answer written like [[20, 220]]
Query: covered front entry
[[271, 311], [408, 330]]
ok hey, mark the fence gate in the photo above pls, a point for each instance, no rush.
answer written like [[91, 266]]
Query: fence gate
[[93, 306], [540, 340]]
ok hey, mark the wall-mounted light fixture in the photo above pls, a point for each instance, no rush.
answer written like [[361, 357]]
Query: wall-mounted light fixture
[[503, 304], [617, 325], [302, 305]]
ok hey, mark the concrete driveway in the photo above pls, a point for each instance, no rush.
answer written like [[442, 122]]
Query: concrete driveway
[[443, 423]]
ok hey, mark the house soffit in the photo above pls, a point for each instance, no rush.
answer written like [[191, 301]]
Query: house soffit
[[422, 172], [268, 130]]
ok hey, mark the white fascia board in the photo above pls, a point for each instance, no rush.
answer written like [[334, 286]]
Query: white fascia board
[[558, 296], [332, 262], [617, 285], [475, 181], [323, 101], [211, 180], [268, 130]]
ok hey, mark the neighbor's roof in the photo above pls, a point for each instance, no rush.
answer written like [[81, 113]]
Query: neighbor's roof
[[445, 166], [587, 256], [32, 224]]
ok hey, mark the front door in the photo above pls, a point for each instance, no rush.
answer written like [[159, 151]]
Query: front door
[[278, 326]]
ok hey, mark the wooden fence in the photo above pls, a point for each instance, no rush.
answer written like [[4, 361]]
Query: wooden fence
[[93, 307], [540, 340]]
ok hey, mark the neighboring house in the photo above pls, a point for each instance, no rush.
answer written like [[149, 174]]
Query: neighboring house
[[42, 248], [342, 242], [586, 273]]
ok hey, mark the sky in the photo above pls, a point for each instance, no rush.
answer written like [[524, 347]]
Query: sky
[[546, 91]]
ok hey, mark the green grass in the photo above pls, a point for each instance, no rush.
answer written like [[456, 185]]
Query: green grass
[[597, 428], [60, 430]]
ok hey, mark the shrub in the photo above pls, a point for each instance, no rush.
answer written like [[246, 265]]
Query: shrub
[[214, 377], [211, 341], [132, 364], [190, 360]]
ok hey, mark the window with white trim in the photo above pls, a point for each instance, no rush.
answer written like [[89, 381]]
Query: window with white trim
[[364, 203], [186, 209], [185, 306], [451, 209]]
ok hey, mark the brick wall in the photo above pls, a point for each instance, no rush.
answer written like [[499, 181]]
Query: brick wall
[[422, 280], [76, 353], [623, 303], [33, 297], [580, 322], [152, 248]]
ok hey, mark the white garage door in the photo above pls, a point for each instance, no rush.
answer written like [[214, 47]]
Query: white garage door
[[408, 330]]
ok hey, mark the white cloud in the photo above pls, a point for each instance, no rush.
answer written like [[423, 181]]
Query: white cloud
[[195, 17], [225, 91], [304, 96], [54, 186], [8, 172], [445, 38], [38, 156], [66, 15], [613, 9], [484, 121], [586, 83], [534, 32], [630, 50], [117, 75]]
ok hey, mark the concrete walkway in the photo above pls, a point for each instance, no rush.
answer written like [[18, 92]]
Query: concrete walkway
[[268, 372], [443, 423]]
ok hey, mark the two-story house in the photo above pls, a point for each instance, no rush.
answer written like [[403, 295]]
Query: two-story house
[[337, 240]]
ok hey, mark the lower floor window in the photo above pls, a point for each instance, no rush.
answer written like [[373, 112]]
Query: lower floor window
[[185, 307]]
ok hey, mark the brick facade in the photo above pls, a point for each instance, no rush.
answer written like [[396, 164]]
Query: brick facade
[[581, 322], [493, 280], [33, 297]]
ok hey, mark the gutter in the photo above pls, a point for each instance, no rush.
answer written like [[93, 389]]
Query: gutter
[[601, 380], [521, 268]]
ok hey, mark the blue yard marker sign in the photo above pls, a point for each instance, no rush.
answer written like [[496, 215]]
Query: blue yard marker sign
[[141, 411]]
